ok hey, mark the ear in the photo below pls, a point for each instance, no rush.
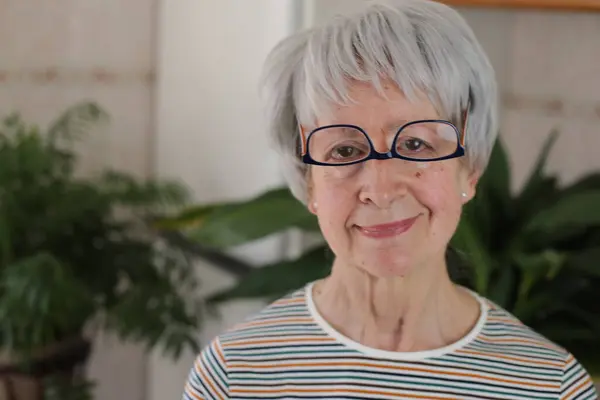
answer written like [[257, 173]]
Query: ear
[[312, 203], [469, 185]]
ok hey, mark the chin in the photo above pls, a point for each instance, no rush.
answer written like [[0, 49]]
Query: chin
[[383, 265]]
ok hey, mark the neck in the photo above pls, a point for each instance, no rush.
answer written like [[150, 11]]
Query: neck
[[417, 312]]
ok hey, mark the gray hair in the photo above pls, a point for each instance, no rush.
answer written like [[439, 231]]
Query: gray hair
[[422, 45]]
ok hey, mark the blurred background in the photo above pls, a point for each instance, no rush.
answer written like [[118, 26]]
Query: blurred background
[[178, 82]]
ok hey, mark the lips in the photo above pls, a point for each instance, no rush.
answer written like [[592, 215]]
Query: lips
[[387, 230]]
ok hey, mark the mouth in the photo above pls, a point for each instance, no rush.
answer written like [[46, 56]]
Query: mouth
[[387, 230]]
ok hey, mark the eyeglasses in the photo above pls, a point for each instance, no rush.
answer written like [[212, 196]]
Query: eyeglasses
[[422, 140]]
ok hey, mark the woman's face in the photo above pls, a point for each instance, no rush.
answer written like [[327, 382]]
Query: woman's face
[[421, 200]]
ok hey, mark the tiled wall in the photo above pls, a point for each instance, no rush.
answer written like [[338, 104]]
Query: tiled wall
[[56, 53], [548, 66]]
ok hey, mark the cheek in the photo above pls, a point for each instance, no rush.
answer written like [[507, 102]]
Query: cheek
[[327, 188], [438, 190], [334, 198]]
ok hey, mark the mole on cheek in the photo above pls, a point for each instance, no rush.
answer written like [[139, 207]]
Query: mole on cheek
[[418, 174]]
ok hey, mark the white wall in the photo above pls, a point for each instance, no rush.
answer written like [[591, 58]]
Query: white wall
[[210, 131]]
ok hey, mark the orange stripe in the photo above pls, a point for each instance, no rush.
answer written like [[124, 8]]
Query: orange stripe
[[511, 358], [403, 368], [191, 391], [276, 321], [520, 340], [324, 390], [507, 320], [576, 389], [503, 317], [209, 382], [569, 360], [296, 300], [282, 340], [220, 355]]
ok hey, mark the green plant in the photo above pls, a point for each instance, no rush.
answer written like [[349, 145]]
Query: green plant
[[535, 253], [221, 226], [79, 254]]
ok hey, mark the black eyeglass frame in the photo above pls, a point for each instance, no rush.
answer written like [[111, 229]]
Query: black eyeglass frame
[[393, 153]]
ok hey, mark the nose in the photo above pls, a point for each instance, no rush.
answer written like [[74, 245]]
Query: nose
[[383, 182]]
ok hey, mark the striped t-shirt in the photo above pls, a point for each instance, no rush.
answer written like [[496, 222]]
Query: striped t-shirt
[[288, 351]]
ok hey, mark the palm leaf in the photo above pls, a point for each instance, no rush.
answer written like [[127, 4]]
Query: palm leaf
[[587, 262], [467, 242], [262, 216], [126, 190], [537, 175], [279, 278], [75, 122], [536, 267], [40, 298], [584, 184], [538, 187], [490, 210], [580, 210], [501, 288], [527, 309], [68, 388], [190, 217]]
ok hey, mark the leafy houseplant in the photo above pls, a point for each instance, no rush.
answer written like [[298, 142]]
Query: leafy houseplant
[[78, 254], [535, 253]]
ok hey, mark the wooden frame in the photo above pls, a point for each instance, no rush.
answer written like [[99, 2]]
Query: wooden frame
[[563, 5]]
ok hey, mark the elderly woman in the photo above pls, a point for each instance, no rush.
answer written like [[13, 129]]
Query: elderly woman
[[385, 120]]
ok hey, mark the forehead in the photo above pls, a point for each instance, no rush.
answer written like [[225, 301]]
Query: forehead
[[370, 107]]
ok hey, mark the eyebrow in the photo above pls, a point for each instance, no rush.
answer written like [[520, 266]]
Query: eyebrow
[[349, 129], [395, 124]]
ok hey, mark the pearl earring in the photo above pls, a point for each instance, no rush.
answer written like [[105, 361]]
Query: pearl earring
[[464, 194], [314, 205]]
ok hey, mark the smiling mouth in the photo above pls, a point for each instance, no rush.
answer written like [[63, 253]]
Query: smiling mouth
[[387, 230]]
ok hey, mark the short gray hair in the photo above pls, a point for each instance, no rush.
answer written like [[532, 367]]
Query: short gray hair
[[421, 45]]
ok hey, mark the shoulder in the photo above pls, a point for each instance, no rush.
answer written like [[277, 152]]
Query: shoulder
[[209, 375], [506, 338], [285, 317], [503, 330], [208, 378], [288, 313]]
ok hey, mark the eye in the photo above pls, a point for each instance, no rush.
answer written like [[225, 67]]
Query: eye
[[413, 145], [345, 152]]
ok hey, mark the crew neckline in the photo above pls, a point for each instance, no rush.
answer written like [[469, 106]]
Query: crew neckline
[[397, 355]]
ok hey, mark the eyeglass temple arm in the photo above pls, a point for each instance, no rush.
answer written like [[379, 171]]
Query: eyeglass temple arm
[[463, 134], [302, 140]]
